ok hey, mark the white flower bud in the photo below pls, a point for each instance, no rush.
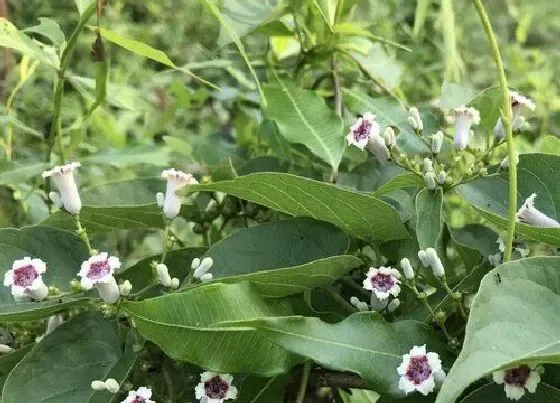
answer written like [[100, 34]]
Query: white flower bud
[[529, 214], [195, 263], [430, 180], [437, 142], [207, 277], [393, 305], [53, 322], [160, 199], [163, 275], [5, 349], [435, 262], [360, 305], [423, 258], [441, 177], [376, 145], [203, 266], [63, 176], [125, 288], [389, 135], [175, 282], [98, 385], [109, 291], [428, 165], [414, 119], [407, 268], [412, 122], [112, 385]]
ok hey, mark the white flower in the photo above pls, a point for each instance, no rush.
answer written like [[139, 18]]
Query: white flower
[[414, 119], [53, 322], [394, 304], [435, 262], [529, 214], [125, 288], [423, 258], [389, 136], [175, 181], [430, 180], [215, 388], [428, 165], [361, 131], [112, 385], [420, 371], [383, 282], [99, 271], [163, 275], [360, 305], [63, 176], [465, 117], [376, 145], [516, 380], [142, 395], [201, 267], [26, 279], [518, 104], [407, 269], [437, 142], [441, 177]]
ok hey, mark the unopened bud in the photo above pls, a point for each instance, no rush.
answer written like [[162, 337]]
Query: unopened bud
[[441, 177], [430, 180], [428, 165], [423, 258], [112, 385], [393, 305], [407, 268], [437, 142]]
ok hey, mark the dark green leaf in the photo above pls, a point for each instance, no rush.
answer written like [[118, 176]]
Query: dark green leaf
[[50, 29], [9, 361], [357, 214], [488, 104], [262, 390], [428, 217]]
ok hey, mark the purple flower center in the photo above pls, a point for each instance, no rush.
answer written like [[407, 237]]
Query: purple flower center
[[382, 282], [98, 270], [139, 399], [418, 369], [518, 376], [216, 388], [24, 276], [362, 131]]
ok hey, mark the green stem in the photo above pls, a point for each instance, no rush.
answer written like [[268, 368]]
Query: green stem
[[55, 131], [451, 294], [424, 298], [165, 241], [82, 233], [506, 120], [304, 380]]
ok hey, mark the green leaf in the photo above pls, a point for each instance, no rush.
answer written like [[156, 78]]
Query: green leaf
[[488, 104], [549, 145], [21, 172], [494, 393], [276, 245], [378, 63], [327, 10], [303, 117], [50, 29], [428, 217], [536, 174], [364, 343], [82, 5], [63, 253], [9, 361], [262, 390], [191, 326], [354, 29], [455, 95], [476, 237], [404, 180], [178, 145], [120, 158], [513, 319], [62, 366], [8, 120], [357, 214]]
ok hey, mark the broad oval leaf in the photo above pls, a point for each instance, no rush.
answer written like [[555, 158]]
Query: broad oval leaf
[[191, 326], [364, 343], [303, 117], [429, 224], [63, 253], [537, 173], [357, 214], [61, 367], [514, 319]]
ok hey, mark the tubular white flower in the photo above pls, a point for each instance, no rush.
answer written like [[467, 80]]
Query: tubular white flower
[[376, 145], [142, 395], [63, 176], [26, 279], [175, 181], [215, 388], [112, 385], [53, 322], [423, 258], [517, 379], [201, 267], [465, 117], [518, 104], [414, 119], [428, 165], [163, 275], [529, 214], [389, 136], [435, 262], [361, 131], [420, 371], [383, 282], [407, 269], [394, 304], [437, 142], [360, 305], [125, 288], [99, 271], [430, 180]]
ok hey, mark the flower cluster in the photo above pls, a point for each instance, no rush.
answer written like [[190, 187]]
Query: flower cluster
[[201, 267]]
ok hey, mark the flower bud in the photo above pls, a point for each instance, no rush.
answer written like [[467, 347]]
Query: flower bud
[[160, 199], [407, 269], [393, 305], [201, 267], [435, 262], [360, 305], [112, 385], [423, 258], [207, 277], [175, 282], [437, 142], [414, 119], [430, 180], [98, 385], [389, 135], [376, 145], [163, 275], [5, 349], [125, 288], [441, 177], [428, 165]]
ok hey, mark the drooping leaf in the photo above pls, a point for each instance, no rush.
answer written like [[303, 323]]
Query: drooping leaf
[[303, 117], [364, 343], [513, 320], [357, 214], [398, 182], [190, 326], [11, 37], [494, 393], [64, 363], [62, 251], [429, 224], [50, 29], [536, 174]]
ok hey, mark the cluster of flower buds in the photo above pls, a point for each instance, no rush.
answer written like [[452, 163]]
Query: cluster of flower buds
[[430, 258], [201, 267], [110, 385], [164, 278]]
